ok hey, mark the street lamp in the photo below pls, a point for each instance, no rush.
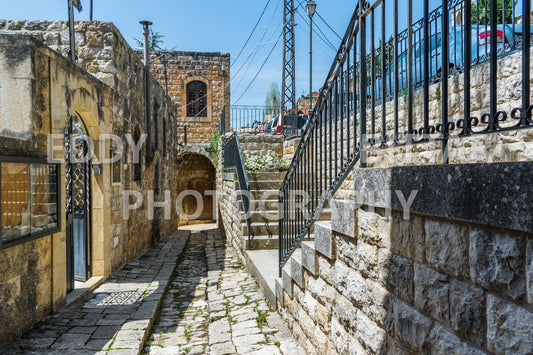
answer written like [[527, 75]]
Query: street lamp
[[311, 8]]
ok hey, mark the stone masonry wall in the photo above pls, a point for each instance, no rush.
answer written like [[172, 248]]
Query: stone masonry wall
[[261, 144], [496, 147], [376, 281], [229, 205], [106, 89], [174, 70]]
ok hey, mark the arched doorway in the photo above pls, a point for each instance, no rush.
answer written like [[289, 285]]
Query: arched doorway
[[77, 199], [196, 173]]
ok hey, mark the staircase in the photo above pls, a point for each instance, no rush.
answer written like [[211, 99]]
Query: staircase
[[264, 227]]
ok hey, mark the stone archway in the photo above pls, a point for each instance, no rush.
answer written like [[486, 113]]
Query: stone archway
[[197, 173]]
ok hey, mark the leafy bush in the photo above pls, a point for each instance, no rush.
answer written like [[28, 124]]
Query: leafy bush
[[264, 163]]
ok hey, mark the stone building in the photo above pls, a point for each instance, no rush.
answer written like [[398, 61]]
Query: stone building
[[67, 224], [199, 83]]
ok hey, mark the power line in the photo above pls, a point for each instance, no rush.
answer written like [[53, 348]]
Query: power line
[[253, 30], [320, 34], [260, 69], [327, 24], [259, 41]]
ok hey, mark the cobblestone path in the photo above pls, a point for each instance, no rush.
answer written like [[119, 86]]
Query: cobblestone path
[[213, 306]]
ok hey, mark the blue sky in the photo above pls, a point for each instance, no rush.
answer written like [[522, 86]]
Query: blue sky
[[222, 26], [217, 26]]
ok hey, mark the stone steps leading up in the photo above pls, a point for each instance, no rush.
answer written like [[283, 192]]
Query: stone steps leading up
[[305, 258]]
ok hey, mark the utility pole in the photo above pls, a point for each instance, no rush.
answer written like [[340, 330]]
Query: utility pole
[[147, 100], [288, 83], [71, 32]]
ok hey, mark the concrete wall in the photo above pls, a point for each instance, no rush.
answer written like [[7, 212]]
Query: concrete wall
[[40, 89]]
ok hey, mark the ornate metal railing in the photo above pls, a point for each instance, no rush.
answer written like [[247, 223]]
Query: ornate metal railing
[[346, 123], [233, 159]]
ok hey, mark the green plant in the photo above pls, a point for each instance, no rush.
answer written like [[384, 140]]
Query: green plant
[[437, 93], [277, 343], [187, 332], [264, 163], [261, 318], [213, 145]]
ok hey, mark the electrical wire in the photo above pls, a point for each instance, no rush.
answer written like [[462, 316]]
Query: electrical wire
[[251, 33], [256, 47], [260, 69], [327, 24], [320, 34]]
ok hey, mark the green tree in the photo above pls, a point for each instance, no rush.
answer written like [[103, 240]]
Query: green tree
[[273, 99], [481, 11], [155, 40]]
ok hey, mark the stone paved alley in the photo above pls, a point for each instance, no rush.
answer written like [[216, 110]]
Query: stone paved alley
[[211, 306]]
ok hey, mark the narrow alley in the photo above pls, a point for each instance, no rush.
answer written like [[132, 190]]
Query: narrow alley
[[189, 294], [214, 307]]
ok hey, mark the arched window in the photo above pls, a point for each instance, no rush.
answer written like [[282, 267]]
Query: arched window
[[196, 99]]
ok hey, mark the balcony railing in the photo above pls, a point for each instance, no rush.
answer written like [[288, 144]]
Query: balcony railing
[[347, 121]]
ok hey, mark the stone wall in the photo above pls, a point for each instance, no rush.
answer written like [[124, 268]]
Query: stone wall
[[174, 70], [261, 144], [448, 279], [42, 89], [497, 147], [229, 205]]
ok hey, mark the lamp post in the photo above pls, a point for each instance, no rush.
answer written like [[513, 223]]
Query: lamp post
[[146, 32], [311, 8]]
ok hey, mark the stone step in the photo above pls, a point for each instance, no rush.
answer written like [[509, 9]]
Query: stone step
[[323, 239], [270, 215], [265, 242], [279, 176], [265, 185], [258, 229], [265, 194]]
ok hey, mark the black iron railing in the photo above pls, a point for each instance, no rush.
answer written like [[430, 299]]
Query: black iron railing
[[247, 119], [251, 119], [233, 159], [346, 123]]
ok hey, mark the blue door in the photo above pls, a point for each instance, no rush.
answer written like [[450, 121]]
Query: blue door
[[77, 176]]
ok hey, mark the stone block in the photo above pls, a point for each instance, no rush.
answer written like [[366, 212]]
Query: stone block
[[322, 291], [467, 311], [529, 270], [446, 247], [431, 292], [372, 227], [325, 267], [345, 312], [308, 257], [407, 236], [341, 338], [411, 327], [324, 239], [286, 281], [343, 217], [509, 327], [279, 290], [367, 259], [396, 274], [297, 270], [444, 342], [497, 261], [367, 295], [370, 335]]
